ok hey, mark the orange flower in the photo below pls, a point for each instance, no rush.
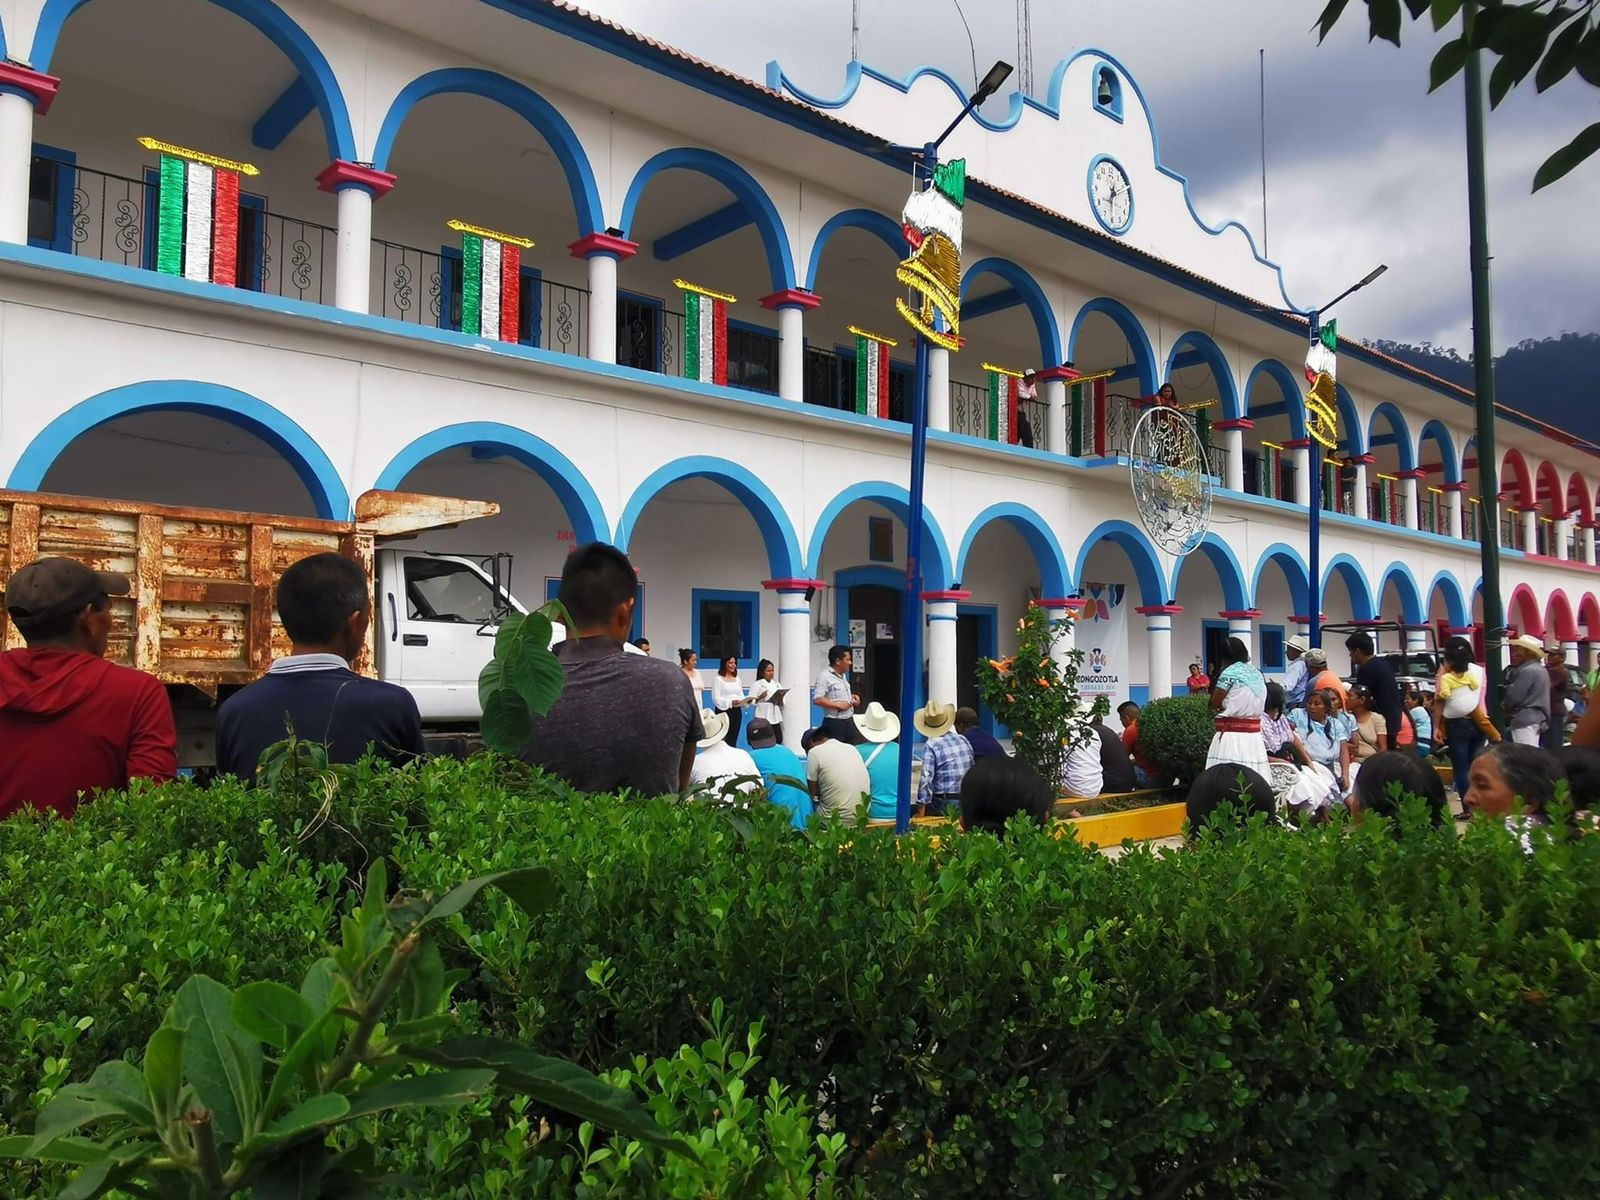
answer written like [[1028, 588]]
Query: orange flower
[[1043, 682]]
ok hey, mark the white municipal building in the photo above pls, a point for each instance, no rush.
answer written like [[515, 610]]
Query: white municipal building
[[765, 515]]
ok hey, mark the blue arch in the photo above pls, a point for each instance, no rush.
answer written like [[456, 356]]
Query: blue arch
[[783, 547], [1412, 610], [1352, 433], [1355, 582], [1235, 596], [936, 576], [1404, 446], [272, 22], [1044, 317], [299, 449], [523, 101], [1288, 384], [1436, 430], [878, 224], [1455, 602], [1144, 354], [1295, 573], [1207, 348], [780, 263], [1035, 530], [556, 469], [1136, 545]]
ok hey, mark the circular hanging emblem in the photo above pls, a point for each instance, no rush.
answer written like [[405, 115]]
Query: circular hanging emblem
[[1171, 480]]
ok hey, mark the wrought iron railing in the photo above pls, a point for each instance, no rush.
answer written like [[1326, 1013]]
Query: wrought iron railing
[[969, 409]]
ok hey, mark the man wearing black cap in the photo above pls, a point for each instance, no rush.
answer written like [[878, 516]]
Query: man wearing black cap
[[71, 722]]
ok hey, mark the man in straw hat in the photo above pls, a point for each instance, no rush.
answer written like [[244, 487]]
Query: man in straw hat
[[879, 728], [1527, 701], [946, 758], [1295, 679], [717, 763]]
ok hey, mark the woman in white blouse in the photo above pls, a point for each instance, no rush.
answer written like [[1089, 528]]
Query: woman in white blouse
[[727, 695], [762, 692]]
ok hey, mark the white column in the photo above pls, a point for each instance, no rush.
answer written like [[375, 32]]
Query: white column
[[1241, 625], [794, 659], [16, 160], [1530, 531], [1569, 653], [1453, 500], [352, 272], [1158, 643], [603, 311], [1588, 544], [1563, 534], [1408, 501], [1055, 428], [1360, 502], [939, 393], [1302, 475], [1233, 458], [791, 353], [941, 650]]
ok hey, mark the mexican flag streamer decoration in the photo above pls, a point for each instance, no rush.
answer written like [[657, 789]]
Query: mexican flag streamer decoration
[[705, 332], [1002, 423], [872, 373], [491, 281], [197, 213], [1322, 401]]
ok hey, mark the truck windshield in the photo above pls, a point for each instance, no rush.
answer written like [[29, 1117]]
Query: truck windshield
[[438, 589]]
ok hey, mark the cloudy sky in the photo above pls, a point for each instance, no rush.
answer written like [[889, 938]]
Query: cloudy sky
[[1363, 166]]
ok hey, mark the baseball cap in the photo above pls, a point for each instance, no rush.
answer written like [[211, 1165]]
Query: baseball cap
[[760, 734], [48, 588]]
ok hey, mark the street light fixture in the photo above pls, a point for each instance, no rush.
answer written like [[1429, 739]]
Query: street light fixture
[[911, 602]]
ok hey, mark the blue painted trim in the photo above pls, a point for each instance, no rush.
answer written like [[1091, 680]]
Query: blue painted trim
[[702, 232], [1114, 230], [988, 617], [577, 498], [783, 547], [66, 162], [523, 101], [774, 237], [1435, 429], [882, 227], [1208, 625], [935, 548], [1352, 433], [1295, 572], [1044, 317], [1122, 317], [995, 302], [1235, 595], [1289, 385], [1280, 661], [283, 115], [749, 624], [272, 22], [1456, 609], [298, 448], [1355, 582], [3, 53], [1135, 543], [1114, 108], [1211, 354], [1036, 531], [1400, 430], [1410, 594]]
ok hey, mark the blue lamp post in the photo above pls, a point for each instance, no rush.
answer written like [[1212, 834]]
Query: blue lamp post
[[911, 606]]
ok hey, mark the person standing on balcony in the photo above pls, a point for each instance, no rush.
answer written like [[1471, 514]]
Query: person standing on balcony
[[1027, 389], [1166, 396], [1527, 701], [1295, 679], [833, 696], [727, 696]]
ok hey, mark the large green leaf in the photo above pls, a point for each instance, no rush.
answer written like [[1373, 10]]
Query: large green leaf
[[439, 1088], [295, 1068], [506, 724], [1568, 157], [1561, 56], [1452, 56], [275, 1014], [532, 889], [163, 1072], [531, 668], [73, 1107], [63, 1150], [221, 1062], [554, 1082], [307, 1115]]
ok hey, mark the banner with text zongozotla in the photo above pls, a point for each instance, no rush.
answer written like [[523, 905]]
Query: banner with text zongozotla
[[1102, 635]]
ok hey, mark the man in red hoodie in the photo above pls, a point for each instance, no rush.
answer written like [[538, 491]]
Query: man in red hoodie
[[70, 722]]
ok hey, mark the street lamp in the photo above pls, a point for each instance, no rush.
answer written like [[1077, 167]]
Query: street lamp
[[911, 603]]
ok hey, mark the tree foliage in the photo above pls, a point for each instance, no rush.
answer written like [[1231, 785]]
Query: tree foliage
[[1548, 39]]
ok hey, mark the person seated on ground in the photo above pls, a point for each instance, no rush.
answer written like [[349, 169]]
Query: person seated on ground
[[946, 757], [325, 604], [1392, 770], [837, 776], [71, 722], [984, 744], [1277, 730], [719, 765], [779, 765], [622, 720], [1421, 720], [1144, 773], [881, 753], [1081, 777], [1116, 767], [999, 788], [1227, 786], [1323, 740], [1508, 774]]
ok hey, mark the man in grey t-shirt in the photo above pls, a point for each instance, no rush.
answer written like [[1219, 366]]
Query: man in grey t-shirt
[[623, 720]]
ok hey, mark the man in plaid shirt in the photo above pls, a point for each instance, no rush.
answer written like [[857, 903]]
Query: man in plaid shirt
[[945, 759]]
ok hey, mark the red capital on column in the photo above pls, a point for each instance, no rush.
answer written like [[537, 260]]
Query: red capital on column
[[603, 243], [340, 174], [35, 85]]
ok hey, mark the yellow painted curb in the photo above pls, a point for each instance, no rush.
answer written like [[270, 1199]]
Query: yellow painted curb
[[1139, 824]]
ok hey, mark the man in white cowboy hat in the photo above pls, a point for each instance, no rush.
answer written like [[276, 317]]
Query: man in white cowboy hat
[[716, 763], [1527, 701], [946, 758], [837, 776], [879, 728], [1295, 678]]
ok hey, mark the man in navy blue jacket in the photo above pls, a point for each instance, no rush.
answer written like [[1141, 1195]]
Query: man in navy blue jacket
[[325, 608]]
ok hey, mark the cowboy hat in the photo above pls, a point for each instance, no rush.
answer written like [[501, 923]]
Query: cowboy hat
[[877, 724], [1297, 643], [1529, 643], [716, 724], [935, 720]]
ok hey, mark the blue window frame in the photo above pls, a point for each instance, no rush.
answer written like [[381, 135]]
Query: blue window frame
[[641, 331], [1272, 649], [52, 180], [1213, 635], [252, 269], [726, 623], [1107, 94], [752, 357], [552, 588], [530, 313]]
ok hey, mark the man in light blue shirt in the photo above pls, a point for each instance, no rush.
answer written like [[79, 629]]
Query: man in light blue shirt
[[777, 764], [1296, 677]]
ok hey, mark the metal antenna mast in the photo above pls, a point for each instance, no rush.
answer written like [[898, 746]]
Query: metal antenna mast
[[855, 30], [1024, 48]]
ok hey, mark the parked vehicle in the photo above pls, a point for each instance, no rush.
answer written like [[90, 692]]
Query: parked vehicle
[[1416, 667], [201, 615]]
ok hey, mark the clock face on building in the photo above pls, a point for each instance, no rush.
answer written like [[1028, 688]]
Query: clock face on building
[[1111, 195]]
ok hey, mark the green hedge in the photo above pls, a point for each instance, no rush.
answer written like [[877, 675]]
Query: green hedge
[[1175, 736], [1272, 1012]]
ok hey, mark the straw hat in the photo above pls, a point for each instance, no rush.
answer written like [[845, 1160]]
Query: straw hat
[[877, 724], [1297, 643], [1529, 643], [716, 724], [935, 720]]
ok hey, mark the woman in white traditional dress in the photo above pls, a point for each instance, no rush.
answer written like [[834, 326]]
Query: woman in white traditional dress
[[1237, 700]]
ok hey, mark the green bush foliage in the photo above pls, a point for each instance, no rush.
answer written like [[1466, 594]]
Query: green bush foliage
[[1335, 1011], [1175, 734]]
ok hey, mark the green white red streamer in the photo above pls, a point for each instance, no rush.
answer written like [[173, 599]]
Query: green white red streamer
[[197, 221], [491, 282], [872, 373], [705, 333], [1002, 423]]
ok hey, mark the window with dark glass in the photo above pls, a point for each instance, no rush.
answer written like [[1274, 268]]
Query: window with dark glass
[[726, 626], [638, 334], [439, 589], [44, 199], [753, 359]]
